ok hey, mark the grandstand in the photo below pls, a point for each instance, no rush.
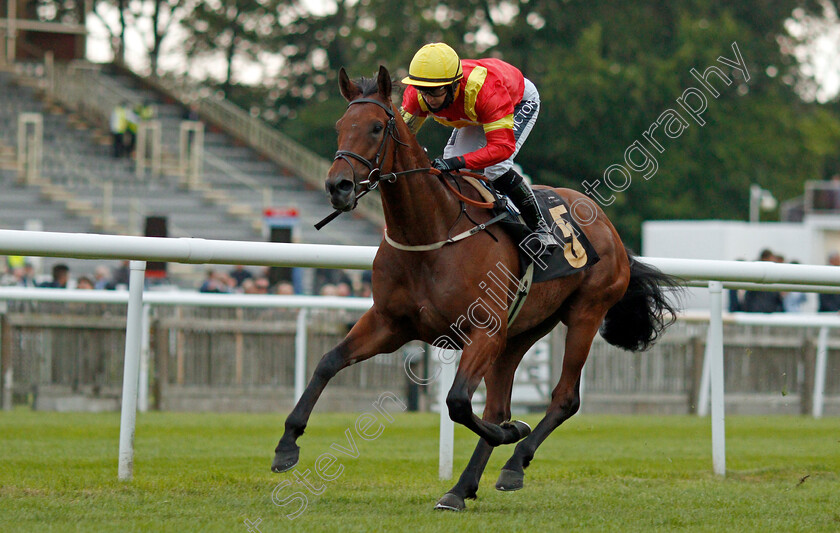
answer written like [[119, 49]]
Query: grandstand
[[82, 188]]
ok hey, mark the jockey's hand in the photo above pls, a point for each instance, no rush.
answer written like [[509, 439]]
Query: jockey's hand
[[450, 163]]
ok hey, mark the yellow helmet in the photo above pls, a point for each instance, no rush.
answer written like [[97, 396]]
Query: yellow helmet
[[434, 65]]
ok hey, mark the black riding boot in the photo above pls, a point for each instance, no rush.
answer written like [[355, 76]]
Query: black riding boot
[[514, 187]]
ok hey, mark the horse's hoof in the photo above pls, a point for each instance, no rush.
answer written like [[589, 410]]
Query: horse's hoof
[[450, 502], [510, 480], [519, 430], [285, 460]]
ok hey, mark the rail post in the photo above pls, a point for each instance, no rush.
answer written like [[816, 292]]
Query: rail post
[[300, 354], [819, 372], [448, 360], [715, 357], [131, 370], [143, 391], [7, 376]]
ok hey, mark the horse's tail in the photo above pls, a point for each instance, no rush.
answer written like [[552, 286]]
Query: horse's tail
[[643, 313]]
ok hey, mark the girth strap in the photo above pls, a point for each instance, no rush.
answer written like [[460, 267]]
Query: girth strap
[[434, 246]]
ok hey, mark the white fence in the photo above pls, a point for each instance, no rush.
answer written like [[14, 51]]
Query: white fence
[[303, 304], [770, 276], [824, 322]]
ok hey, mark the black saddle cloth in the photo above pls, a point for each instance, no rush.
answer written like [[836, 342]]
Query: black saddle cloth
[[575, 253]]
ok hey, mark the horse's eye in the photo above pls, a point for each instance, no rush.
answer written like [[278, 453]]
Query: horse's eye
[[378, 127]]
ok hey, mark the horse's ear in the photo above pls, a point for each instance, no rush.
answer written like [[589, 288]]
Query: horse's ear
[[384, 82], [349, 90]]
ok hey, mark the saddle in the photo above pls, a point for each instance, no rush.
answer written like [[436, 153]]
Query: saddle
[[575, 252]]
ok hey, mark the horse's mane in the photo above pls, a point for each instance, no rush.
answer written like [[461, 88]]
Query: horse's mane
[[368, 86]]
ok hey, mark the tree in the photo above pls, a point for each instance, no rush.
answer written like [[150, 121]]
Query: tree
[[100, 11], [606, 72], [814, 40], [230, 30], [165, 15]]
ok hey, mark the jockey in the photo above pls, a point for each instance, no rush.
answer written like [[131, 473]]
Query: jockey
[[492, 108]]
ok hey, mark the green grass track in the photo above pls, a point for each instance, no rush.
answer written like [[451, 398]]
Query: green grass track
[[210, 472]]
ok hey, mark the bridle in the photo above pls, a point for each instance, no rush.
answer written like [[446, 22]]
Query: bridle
[[375, 175]]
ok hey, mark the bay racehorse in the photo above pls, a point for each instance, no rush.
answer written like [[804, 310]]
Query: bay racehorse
[[421, 293]]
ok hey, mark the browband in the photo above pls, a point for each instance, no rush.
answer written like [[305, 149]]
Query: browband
[[373, 101]]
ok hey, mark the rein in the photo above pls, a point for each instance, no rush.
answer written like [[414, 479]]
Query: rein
[[457, 193], [375, 176]]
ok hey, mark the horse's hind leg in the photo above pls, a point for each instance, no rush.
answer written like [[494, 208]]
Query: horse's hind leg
[[565, 400], [499, 382], [373, 334]]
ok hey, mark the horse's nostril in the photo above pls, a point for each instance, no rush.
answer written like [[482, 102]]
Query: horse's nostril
[[344, 186]]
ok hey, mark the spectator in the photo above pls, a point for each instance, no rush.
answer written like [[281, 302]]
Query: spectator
[[255, 286], [14, 262], [262, 285], [121, 274], [119, 127], [240, 274], [330, 276], [793, 301], [343, 289], [131, 130], [144, 111], [84, 283], [830, 303], [214, 283], [249, 287], [60, 275], [102, 278], [8, 277], [763, 301], [328, 290], [736, 297], [284, 288], [26, 275]]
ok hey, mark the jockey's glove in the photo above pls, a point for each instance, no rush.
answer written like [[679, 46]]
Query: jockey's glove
[[448, 164]]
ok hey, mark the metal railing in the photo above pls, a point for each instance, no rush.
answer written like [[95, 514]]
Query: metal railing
[[78, 86], [55, 322], [771, 276]]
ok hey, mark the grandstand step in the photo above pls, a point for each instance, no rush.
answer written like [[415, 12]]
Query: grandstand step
[[78, 161], [109, 224], [80, 207], [241, 210], [214, 196], [54, 193]]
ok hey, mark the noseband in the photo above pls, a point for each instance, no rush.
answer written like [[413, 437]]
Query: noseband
[[374, 177]]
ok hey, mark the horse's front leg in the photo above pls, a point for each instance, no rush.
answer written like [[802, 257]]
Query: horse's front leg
[[499, 383], [476, 360], [373, 334]]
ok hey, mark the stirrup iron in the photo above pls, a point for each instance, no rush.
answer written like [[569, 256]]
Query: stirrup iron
[[545, 235]]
